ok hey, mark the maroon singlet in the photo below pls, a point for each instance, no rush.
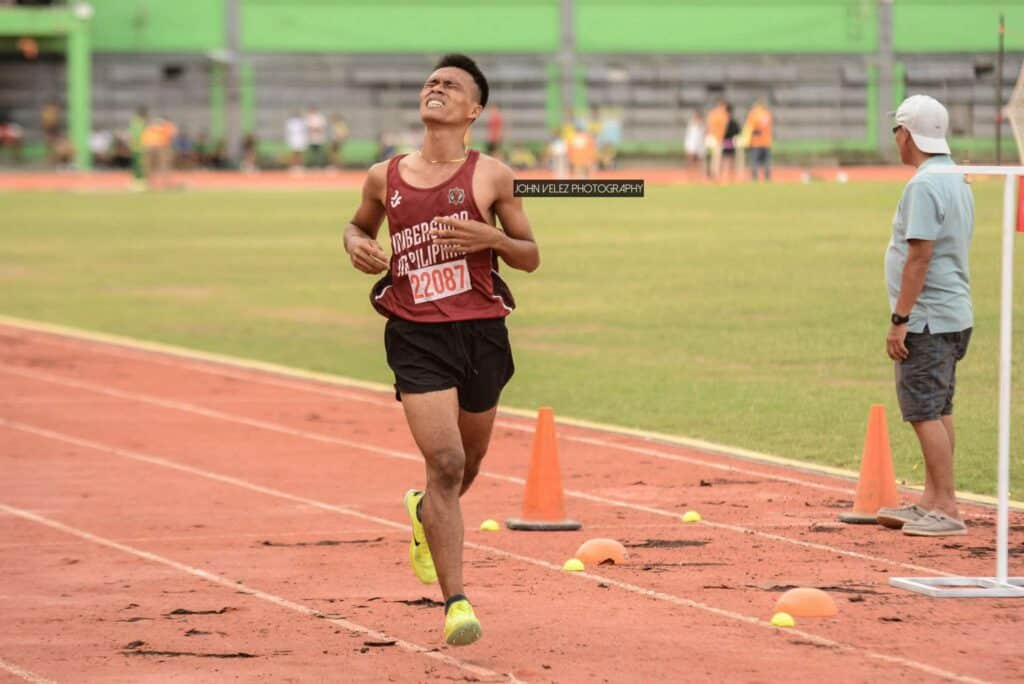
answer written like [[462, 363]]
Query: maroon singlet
[[427, 283]]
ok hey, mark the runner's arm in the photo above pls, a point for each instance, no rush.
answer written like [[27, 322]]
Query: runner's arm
[[360, 237], [516, 245]]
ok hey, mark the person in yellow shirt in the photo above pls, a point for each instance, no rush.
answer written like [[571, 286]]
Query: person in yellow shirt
[[759, 123]]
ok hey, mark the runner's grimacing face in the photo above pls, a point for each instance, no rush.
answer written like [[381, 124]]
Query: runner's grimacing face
[[449, 96]]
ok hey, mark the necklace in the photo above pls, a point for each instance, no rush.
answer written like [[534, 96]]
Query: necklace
[[442, 161]]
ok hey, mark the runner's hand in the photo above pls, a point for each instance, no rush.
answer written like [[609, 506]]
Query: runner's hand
[[367, 255], [895, 345], [466, 236]]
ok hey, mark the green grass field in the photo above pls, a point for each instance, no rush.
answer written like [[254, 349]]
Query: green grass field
[[753, 316]]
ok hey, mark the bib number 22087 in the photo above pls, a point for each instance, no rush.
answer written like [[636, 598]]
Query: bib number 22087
[[439, 281]]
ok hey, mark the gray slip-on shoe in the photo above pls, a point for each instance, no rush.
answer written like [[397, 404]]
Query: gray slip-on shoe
[[895, 518], [935, 524]]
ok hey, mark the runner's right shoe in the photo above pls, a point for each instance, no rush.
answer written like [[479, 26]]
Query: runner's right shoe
[[461, 627], [419, 553]]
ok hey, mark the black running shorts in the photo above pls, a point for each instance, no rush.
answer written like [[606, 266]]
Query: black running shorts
[[472, 356]]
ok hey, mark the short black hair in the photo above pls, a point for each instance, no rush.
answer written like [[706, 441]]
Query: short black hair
[[463, 62]]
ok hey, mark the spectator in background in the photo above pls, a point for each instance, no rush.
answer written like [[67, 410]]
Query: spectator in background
[[609, 138], [157, 139], [386, 145], [50, 122], [759, 121], [732, 131], [250, 154], [582, 153], [339, 134], [316, 134], [121, 155], [101, 146], [12, 136], [557, 154], [138, 124], [495, 131], [217, 158], [694, 141], [186, 151], [718, 122], [295, 138]]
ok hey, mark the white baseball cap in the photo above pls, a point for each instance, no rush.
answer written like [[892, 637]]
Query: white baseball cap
[[927, 121]]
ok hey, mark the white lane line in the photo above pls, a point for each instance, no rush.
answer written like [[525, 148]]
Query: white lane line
[[417, 458], [344, 510], [214, 578], [120, 346], [263, 536], [210, 368], [23, 673]]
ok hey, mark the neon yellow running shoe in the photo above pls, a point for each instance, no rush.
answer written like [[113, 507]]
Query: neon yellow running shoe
[[461, 627], [419, 553]]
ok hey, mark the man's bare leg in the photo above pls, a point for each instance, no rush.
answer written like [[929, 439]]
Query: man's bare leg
[[433, 418], [937, 441], [476, 436]]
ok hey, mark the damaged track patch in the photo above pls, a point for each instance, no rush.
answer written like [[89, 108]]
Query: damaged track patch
[[322, 542]]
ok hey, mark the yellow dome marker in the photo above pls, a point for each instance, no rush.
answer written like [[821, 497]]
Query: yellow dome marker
[[691, 517], [573, 565], [783, 620], [490, 525]]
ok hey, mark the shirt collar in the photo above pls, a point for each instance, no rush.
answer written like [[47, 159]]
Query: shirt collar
[[937, 160]]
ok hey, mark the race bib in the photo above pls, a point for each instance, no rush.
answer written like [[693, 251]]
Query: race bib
[[439, 281]]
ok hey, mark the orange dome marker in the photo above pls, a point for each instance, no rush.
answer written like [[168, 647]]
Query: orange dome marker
[[806, 602], [601, 550]]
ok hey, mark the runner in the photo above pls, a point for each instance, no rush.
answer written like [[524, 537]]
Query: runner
[[445, 338]]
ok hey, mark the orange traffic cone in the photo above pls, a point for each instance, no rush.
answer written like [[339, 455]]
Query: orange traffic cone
[[543, 505], [876, 487]]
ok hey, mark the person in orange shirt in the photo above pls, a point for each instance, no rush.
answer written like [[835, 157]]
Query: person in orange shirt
[[582, 154], [759, 122], [717, 122], [156, 142]]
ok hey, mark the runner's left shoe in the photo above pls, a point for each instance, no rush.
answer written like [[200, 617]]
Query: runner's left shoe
[[419, 553]]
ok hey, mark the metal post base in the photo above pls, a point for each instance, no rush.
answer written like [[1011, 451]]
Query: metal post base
[[962, 587]]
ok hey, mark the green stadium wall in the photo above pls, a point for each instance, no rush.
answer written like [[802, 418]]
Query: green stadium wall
[[532, 26], [731, 26], [179, 26]]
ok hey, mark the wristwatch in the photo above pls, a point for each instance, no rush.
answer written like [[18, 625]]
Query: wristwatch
[[899, 320]]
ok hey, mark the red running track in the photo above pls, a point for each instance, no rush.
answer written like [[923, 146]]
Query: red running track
[[165, 518]]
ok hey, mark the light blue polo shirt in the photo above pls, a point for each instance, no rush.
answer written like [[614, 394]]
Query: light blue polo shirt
[[940, 208]]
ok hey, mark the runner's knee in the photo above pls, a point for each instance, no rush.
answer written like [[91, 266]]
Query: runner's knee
[[446, 468], [469, 474]]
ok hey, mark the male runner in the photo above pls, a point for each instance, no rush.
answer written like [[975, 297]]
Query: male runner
[[445, 337]]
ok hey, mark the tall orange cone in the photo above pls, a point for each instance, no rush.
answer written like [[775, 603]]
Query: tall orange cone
[[543, 505], [876, 487]]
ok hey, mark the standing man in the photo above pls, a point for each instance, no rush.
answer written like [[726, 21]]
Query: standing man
[[759, 123], [927, 274], [445, 338], [316, 135], [138, 124], [717, 124], [296, 137]]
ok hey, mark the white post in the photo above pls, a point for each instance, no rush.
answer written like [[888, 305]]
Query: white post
[[1005, 326]]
